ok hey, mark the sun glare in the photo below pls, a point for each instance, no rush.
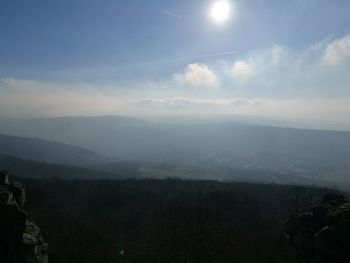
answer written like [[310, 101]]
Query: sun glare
[[220, 11]]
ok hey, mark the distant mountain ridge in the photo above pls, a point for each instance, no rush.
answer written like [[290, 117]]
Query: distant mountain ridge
[[25, 168], [302, 152], [47, 151]]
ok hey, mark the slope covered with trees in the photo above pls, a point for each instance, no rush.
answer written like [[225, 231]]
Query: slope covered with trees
[[48, 151], [166, 220]]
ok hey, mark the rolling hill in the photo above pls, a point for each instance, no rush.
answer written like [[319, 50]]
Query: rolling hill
[[303, 152], [49, 152], [39, 170]]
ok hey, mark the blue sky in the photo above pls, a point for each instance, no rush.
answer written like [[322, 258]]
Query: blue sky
[[162, 52]]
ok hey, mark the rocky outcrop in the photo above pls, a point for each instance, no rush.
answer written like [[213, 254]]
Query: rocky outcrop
[[20, 240], [322, 235]]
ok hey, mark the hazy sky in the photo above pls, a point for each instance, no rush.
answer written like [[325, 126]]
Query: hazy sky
[[287, 58]]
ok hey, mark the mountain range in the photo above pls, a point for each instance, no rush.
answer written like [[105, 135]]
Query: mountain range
[[104, 141]]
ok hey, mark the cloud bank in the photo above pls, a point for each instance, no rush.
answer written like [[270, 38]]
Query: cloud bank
[[276, 82]]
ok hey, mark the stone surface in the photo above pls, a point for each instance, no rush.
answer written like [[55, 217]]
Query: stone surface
[[322, 235], [20, 240]]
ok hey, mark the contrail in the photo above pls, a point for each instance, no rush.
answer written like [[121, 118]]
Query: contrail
[[219, 54], [167, 61], [174, 15]]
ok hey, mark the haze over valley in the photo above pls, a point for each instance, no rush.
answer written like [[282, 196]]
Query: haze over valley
[[177, 131], [219, 151]]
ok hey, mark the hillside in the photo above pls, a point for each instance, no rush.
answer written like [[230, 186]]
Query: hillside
[[31, 169], [322, 235], [165, 220], [49, 152], [308, 153]]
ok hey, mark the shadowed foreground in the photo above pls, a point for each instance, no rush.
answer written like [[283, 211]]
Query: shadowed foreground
[[20, 240], [166, 220]]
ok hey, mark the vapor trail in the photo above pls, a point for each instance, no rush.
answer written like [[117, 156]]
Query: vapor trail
[[167, 61], [174, 15], [193, 57]]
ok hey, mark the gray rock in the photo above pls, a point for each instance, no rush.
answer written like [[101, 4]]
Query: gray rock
[[322, 235], [20, 240], [4, 177]]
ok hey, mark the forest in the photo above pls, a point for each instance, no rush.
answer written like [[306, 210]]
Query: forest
[[165, 220]]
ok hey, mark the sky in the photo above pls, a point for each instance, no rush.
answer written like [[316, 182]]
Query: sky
[[282, 59]]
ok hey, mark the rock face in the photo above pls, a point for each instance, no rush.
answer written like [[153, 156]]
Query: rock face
[[322, 235], [20, 240]]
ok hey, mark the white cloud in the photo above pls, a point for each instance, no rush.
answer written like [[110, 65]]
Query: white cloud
[[337, 51], [282, 72], [196, 75], [277, 53], [258, 64], [242, 69], [326, 109], [186, 102], [255, 84], [188, 105], [27, 98]]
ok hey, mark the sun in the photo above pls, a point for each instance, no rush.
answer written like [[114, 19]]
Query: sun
[[220, 11]]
